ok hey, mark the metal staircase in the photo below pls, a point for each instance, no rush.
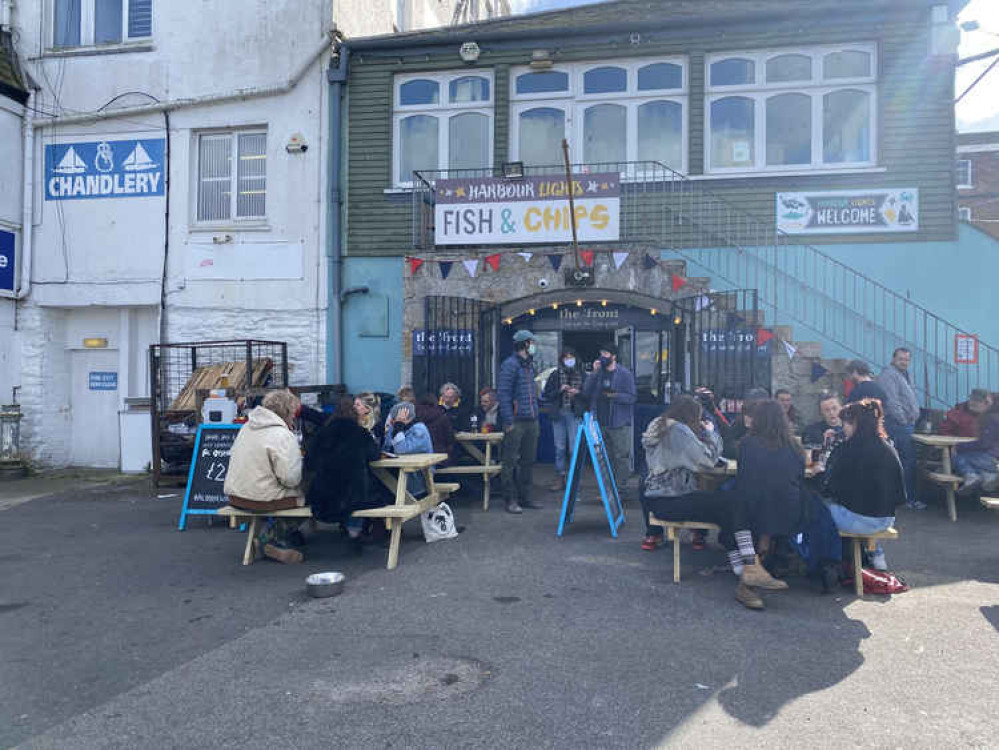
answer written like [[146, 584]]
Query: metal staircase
[[853, 315]]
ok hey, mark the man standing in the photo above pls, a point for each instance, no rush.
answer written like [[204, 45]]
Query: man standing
[[518, 406], [864, 385], [559, 397], [901, 412], [611, 391]]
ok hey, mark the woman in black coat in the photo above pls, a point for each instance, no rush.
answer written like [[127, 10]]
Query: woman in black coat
[[336, 467], [771, 473]]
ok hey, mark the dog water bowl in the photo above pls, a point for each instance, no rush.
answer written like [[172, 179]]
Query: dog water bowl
[[323, 585]]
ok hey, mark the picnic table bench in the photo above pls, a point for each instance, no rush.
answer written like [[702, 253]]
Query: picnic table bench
[[405, 508], [946, 477], [672, 529], [869, 541], [486, 468], [992, 503]]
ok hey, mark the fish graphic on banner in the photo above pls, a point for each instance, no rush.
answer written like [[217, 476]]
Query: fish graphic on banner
[[104, 169]]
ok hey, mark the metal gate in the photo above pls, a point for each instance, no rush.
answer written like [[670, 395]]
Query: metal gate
[[457, 344], [724, 351]]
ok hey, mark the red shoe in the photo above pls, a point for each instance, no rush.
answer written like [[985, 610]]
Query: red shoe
[[650, 542]]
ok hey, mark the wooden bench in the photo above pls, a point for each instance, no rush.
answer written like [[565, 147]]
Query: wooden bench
[[870, 541], [392, 514], [992, 503], [950, 483], [671, 528]]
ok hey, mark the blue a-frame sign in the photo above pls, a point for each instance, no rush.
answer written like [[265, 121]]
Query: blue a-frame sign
[[589, 433]]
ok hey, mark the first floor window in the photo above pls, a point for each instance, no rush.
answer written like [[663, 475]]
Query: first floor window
[[232, 176], [94, 22], [419, 136], [789, 129], [847, 126], [605, 131], [541, 132], [733, 132], [660, 132], [963, 176]]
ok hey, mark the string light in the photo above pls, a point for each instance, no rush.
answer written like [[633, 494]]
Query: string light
[[531, 311], [603, 303], [509, 321], [653, 311], [579, 303], [554, 305]]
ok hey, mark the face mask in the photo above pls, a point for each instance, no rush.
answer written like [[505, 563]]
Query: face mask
[[605, 361], [532, 350], [570, 363]]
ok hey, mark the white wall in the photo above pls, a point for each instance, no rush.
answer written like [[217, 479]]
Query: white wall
[[11, 185]]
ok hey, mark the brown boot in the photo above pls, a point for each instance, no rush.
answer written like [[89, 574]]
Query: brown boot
[[756, 575], [283, 554], [747, 597]]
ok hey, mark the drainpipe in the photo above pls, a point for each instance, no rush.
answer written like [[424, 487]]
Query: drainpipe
[[28, 195], [337, 78]]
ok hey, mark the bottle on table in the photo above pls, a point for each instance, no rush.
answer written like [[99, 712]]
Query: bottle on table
[[474, 423]]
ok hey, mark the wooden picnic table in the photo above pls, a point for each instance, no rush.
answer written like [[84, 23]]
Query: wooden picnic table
[[731, 468], [946, 476], [486, 467]]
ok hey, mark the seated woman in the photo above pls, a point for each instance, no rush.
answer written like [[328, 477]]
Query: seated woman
[[265, 471], [437, 422], [367, 407], [405, 434], [678, 444], [726, 509], [864, 476], [976, 461], [336, 466], [771, 475]]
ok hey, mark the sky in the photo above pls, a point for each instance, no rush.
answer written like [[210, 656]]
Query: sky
[[977, 112]]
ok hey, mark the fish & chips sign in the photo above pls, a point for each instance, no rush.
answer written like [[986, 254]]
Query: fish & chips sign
[[104, 169], [849, 211], [491, 211]]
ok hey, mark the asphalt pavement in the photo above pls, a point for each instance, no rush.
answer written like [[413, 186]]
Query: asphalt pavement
[[118, 631]]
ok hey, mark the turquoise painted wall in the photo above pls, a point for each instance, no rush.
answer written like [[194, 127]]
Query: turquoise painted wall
[[372, 325]]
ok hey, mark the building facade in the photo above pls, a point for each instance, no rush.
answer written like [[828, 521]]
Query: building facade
[[778, 178], [177, 192], [978, 181]]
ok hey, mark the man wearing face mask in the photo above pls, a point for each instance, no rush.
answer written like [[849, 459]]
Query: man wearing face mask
[[611, 390], [559, 396], [518, 405]]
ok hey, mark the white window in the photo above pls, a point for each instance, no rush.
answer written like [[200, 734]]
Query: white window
[[85, 23], [232, 177], [964, 213], [792, 109], [964, 174], [610, 113], [442, 122]]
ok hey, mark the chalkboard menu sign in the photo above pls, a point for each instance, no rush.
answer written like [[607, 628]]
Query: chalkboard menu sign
[[209, 466], [590, 441]]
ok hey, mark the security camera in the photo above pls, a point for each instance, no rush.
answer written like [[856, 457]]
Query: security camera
[[543, 283]]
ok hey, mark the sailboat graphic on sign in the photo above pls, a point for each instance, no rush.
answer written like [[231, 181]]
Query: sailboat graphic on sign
[[71, 163], [138, 160]]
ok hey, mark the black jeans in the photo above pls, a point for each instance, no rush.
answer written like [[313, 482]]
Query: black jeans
[[725, 509]]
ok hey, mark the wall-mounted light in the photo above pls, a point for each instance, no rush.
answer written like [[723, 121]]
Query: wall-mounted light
[[95, 343], [677, 319], [579, 303], [541, 59], [469, 52], [513, 170]]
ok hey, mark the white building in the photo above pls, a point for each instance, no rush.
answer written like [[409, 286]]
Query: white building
[[178, 193]]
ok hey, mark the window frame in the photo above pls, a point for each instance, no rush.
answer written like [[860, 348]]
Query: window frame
[[444, 110], [964, 213], [574, 102], [816, 88], [232, 221], [88, 30], [970, 183]]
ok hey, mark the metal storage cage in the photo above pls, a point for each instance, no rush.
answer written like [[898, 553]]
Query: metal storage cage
[[178, 372]]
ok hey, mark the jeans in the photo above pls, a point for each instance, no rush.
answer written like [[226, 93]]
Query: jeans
[[618, 440], [518, 451], [901, 435], [974, 463], [854, 523], [564, 427]]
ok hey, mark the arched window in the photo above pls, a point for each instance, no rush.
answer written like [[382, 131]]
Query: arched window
[[733, 132], [605, 80]]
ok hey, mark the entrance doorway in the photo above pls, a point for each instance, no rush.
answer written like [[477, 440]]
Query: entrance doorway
[[586, 344], [94, 403]]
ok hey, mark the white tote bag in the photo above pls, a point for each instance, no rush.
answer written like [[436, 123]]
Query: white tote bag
[[438, 523]]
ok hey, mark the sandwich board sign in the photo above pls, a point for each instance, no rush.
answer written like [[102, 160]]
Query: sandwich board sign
[[205, 493], [589, 435]]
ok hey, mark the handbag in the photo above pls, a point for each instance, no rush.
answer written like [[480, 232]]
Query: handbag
[[438, 523], [880, 582]]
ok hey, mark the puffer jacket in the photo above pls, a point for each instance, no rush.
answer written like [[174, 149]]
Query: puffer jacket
[[518, 395], [674, 455], [266, 460]]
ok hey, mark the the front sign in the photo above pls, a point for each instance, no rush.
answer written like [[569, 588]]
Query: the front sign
[[492, 211], [8, 261], [443, 342], [849, 211], [104, 169]]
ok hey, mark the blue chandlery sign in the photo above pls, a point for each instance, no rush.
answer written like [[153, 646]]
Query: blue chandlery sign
[[104, 169], [8, 261]]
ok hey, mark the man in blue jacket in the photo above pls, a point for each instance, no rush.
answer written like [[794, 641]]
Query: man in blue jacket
[[611, 390], [518, 411]]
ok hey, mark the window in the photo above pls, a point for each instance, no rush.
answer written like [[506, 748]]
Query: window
[[611, 113], [791, 110], [77, 23], [964, 213], [442, 122], [232, 176], [963, 177]]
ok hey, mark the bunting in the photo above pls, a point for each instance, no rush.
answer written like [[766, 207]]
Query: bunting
[[763, 336], [619, 259], [526, 256], [818, 371], [678, 282], [790, 348], [414, 264], [587, 256], [472, 266], [556, 261], [493, 261], [445, 266], [648, 262]]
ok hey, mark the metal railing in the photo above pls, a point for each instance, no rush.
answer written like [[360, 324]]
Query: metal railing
[[855, 316]]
